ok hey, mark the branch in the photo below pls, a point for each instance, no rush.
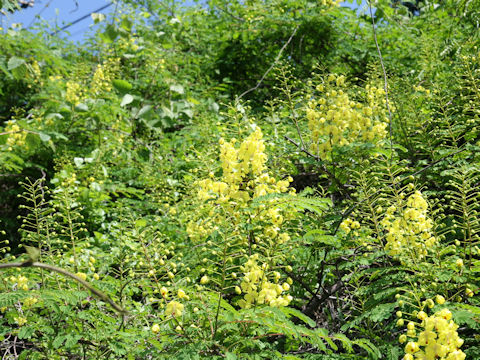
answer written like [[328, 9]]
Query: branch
[[324, 168], [271, 66], [101, 295], [385, 85]]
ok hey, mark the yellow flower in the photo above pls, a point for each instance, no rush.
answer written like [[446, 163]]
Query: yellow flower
[[411, 347], [174, 308], [81, 275], [155, 328], [204, 280], [181, 294], [440, 299], [422, 315], [20, 320], [445, 313]]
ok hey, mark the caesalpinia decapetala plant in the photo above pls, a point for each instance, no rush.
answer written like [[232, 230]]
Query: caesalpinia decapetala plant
[[252, 237], [101, 83], [336, 120]]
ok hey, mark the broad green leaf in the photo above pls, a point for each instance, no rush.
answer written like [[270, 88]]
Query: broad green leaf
[[81, 107], [110, 34], [122, 85], [177, 88], [18, 67], [127, 99], [97, 17], [44, 137]]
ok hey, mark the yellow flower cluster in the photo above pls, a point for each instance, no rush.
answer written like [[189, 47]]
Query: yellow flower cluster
[[103, 76], [330, 3], [36, 73], [438, 340], [21, 282], [228, 203], [348, 225], [74, 92], [335, 120], [244, 178], [258, 289], [409, 229], [16, 136], [125, 45], [20, 320], [29, 302]]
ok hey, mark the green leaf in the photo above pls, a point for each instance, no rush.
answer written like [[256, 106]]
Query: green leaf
[[156, 344], [144, 111], [127, 99], [319, 236], [97, 17], [109, 34], [18, 67], [15, 62], [122, 85], [26, 332], [126, 24], [298, 314], [177, 88], [44, 137], [81, 107], [58, 341], [72, 340]]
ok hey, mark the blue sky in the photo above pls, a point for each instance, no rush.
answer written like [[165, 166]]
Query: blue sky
[[60, 12], [63, 12]]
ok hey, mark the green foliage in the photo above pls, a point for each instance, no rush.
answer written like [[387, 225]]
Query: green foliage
[[248, 179]]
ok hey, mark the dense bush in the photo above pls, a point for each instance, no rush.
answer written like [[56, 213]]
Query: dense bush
[[243, 180]]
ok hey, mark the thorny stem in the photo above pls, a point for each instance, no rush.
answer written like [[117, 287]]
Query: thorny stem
[[59, 270]]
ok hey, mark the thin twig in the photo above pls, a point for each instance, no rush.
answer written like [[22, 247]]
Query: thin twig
[[230, 14], [271, 66], [385, 85]]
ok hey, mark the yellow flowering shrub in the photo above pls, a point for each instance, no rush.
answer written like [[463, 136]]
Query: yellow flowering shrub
[[77, 90], [336, 120], [408, 228], [103, 76], [230, 206], [244, 178]]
